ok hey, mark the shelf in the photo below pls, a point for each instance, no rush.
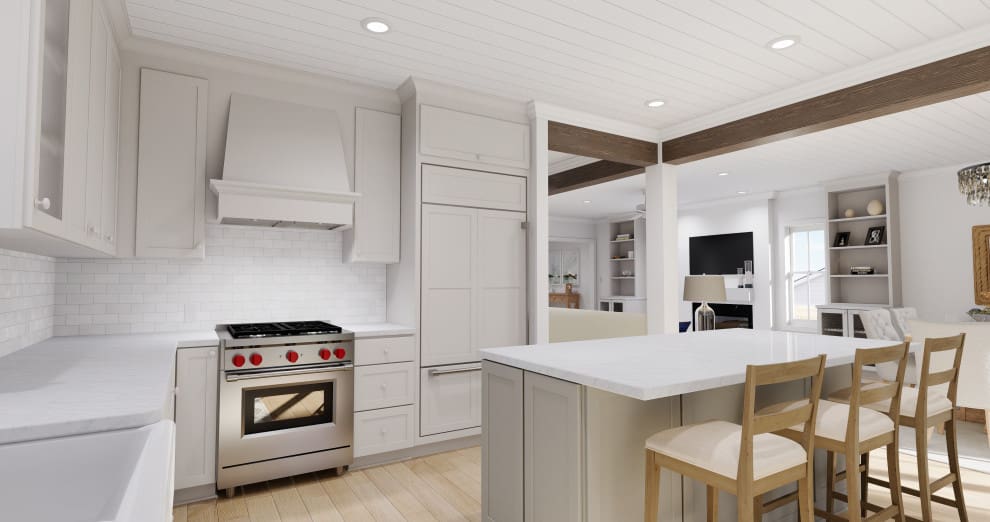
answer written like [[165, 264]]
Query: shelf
[[851, 276], [622, 241], [623, 259], [858, 247], [881, 217], [623, 277]]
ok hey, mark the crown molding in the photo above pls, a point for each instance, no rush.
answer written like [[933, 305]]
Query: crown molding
[[718, 202], [569, 219], [548, 111]]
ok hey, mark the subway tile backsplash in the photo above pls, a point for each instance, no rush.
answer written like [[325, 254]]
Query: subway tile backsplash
[[27, 299], [249, 274]]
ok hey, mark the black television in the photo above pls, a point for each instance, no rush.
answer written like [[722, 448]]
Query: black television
[[719, 254]]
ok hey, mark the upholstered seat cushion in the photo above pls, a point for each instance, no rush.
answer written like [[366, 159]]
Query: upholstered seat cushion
[[937, 403], [833, 418], [714, 446]]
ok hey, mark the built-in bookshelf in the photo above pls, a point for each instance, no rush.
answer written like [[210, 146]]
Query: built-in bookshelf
[[622, 266]]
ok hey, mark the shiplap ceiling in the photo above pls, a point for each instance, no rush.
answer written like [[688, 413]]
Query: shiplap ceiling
[[947, 133], [602, 57]]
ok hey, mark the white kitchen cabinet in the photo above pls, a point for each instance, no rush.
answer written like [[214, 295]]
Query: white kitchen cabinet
[[383, 350], [501, 436], [171, 188], [447, 133], [553, 448], [196, 381], [374, 237], [635, 305], [473, 284], [450, 398], [60, 158], [471, 188], [384, 385], [388, 429]]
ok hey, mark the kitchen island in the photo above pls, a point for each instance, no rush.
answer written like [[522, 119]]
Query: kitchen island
[[564, 425]]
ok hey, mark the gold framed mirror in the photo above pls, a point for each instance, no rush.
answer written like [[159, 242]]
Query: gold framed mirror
[[981, 264]]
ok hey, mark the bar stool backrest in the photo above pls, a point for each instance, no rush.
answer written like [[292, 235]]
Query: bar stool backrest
[[755, 424], [868, 393], [934, 373]]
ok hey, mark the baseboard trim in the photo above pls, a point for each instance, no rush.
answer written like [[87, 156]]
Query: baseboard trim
[[194, 494], [415, 452]]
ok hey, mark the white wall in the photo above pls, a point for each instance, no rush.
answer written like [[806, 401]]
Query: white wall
[[795, 208], [747, 215], [572, 228], [249, 274], [937, 244], [227, 75], [27, 299]]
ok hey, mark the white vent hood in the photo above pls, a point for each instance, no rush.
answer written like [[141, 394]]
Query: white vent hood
[[284, 166]]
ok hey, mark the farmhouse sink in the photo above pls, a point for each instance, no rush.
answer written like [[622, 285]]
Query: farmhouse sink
[[123, 475]]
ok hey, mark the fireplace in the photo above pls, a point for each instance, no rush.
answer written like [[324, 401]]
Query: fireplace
[[729, 315]]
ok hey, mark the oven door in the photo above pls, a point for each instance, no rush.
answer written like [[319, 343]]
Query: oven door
[[268, 414]]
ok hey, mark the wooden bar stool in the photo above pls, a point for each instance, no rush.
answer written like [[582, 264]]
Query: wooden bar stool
[[923, 408], [746, 460], [855, 431]]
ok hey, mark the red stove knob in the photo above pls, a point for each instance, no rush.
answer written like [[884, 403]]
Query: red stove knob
[[238, 360], [256, 359], [324, 354], [340, 353], [292, 356]]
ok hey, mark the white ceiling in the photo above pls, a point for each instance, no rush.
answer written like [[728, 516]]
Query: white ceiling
[[601, 56], [948, 133]]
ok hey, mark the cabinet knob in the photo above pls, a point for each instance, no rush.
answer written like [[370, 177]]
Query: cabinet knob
[[384, 432], [108, 237], [213, 353], [384, 386], [91, 229], [43, 203]]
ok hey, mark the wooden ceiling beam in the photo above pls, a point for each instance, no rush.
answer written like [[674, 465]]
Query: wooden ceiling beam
[[602, 145], [591, 174], [947, 79]]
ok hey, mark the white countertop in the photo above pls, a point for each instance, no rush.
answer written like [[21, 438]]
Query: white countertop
[[378, 329], [85, 384], [657, 366]]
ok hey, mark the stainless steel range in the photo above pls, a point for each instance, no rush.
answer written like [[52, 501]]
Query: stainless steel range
[[286, 401]]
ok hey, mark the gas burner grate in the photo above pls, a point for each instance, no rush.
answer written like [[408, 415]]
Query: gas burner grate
[[282, 329]]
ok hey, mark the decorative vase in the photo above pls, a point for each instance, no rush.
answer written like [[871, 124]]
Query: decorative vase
[[874, 208], [850, 213]]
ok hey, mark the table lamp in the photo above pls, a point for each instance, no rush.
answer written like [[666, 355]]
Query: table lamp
[[702, 289]]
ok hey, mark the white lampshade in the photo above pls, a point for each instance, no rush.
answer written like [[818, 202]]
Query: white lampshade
[[704, 288]]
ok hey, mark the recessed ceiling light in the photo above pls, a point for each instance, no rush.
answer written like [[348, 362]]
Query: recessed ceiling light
[[783, 42], [375, 25], [723, 174], [653, 104], [586, 201], [742, 192]]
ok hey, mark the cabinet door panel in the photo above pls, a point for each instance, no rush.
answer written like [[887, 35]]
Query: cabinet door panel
[[470, 188], [501, 443], [448, 294], [374, 237], [98, 67], [171, 166], [384, 386], [471, 137], [196, 375], [501, 286], [451, 398], [379, 431], [553, 444], [108, 221]]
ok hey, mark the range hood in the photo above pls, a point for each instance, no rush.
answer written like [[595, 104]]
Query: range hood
[[284, 166]]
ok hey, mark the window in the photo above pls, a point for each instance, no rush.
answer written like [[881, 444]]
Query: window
[[806, 275]]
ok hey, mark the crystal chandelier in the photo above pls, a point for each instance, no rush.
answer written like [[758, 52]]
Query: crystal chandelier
[[974, 183]]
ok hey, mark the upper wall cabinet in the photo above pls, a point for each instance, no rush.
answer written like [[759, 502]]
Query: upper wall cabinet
[[447, 133], [374, 238], [171, 191], [59, 175]]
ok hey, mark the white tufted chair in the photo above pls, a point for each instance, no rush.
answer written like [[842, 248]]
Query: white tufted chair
[[901, 318], [879, 324]]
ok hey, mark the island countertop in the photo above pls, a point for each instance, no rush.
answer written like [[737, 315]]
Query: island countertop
[[657, 366]]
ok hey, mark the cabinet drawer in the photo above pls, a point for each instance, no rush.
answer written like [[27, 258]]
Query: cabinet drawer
[[470, 137], [383, 386], [470, 188], [451, 398], [383, 430], [384, 350]]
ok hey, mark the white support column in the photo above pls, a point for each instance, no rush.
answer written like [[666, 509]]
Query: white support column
[[662, 271], [538, 216]]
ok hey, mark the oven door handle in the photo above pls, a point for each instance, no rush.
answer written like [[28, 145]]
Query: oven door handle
[[231, 377]]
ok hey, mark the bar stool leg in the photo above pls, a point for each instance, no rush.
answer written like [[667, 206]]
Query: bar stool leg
[[924, 482], [830, 483], [652, 507], [745, 503], [712, 496], [952, 445], [894, 479], [806, 503], [864, 483], [853, 507]]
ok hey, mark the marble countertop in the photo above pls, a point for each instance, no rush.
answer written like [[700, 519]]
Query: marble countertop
[[378, 329], [657, 366], [73, 385]]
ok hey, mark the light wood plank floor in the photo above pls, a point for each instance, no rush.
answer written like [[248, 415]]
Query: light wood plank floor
[[447, 487]]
